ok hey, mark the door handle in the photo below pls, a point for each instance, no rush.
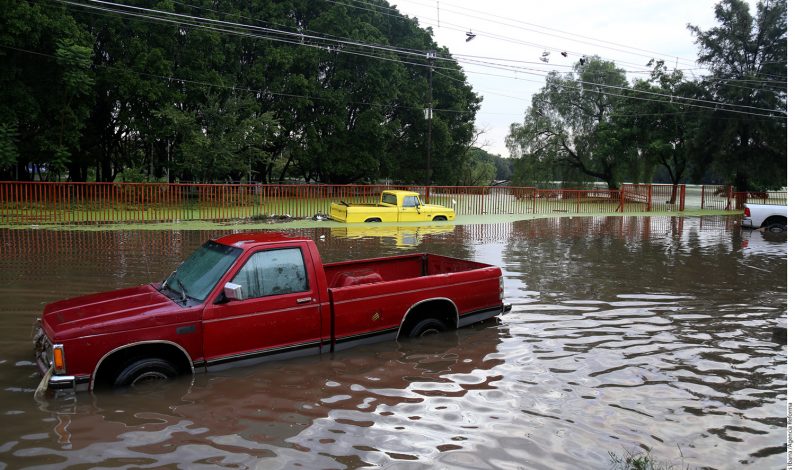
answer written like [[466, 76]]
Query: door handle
[[303, 300]]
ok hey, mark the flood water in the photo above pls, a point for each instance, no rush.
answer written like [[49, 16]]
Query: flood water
[[627, 335]]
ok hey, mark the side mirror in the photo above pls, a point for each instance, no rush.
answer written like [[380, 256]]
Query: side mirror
[[233, 291]]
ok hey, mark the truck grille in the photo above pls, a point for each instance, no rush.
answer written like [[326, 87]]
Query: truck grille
[[42, 347]]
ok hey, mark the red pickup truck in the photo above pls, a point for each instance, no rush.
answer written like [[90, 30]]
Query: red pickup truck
[[245, 298]]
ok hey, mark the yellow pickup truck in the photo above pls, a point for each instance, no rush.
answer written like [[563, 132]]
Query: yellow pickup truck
[[394, 206]]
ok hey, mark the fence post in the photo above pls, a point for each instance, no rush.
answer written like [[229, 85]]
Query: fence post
[[483, 200], [703, 190], [648, 198], [682, 189], [621, 199], [729, 196]]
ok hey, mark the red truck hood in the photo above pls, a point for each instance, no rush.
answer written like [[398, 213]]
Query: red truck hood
[[107, 312]]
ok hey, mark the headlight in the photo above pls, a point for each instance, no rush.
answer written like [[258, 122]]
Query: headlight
[[502, 289]]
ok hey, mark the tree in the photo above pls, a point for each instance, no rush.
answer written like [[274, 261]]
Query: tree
[[45, 89], [747, 57], [102, 93], [570, 124], [664, 129], [478, 169]]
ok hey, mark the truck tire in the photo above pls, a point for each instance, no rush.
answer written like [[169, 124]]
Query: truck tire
[[373, 219], [426, 327], [143, 371], [440, 218], [776, 227]]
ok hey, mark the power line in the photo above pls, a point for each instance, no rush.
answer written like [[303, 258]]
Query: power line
[[302, 36], [418, 52], [531, 70], [301, 41], [297, 35], [238, 88], [482, 15], [646, 71], [456, 27], [651, 93], [464, 29], [672, 113]]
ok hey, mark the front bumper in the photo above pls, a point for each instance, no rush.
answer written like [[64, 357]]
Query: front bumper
[[50, 381], [62, 382], [42, 349]]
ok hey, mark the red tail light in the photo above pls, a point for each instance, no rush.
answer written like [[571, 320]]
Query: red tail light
[[747, 212]]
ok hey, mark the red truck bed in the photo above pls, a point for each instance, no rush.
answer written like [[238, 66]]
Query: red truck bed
[[371, 298], [357, 272]]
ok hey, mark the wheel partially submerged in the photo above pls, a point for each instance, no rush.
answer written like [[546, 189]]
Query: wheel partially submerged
[[427, 327], [144, 371]]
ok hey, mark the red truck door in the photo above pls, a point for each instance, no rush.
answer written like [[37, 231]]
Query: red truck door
[[279, 313]]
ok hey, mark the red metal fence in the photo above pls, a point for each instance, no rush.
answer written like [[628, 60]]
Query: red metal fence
[[55, 203]]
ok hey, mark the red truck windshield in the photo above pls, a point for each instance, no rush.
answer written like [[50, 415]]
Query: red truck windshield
[[198, 274]]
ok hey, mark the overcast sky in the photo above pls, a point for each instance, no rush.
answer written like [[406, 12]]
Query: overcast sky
[[629, 32]]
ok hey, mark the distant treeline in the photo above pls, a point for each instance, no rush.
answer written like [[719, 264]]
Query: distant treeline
[[229, 90]]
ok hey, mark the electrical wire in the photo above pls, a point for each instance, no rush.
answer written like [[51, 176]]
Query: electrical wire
[[302, 36], [197, 23], [421, 52], [618, 115], [258, 92], [483, 15]]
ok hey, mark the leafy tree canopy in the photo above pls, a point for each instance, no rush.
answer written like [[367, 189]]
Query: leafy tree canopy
[[286, 89]]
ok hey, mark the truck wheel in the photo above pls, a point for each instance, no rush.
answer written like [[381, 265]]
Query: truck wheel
[[373, 219], [440, 218], [776, 227], [426, 327], [143, 371]]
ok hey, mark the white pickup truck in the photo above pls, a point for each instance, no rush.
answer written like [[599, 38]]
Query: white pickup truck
[[771, 217]]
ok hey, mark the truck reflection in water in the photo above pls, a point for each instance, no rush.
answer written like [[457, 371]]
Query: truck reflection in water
[[291, 411], [398, 236]]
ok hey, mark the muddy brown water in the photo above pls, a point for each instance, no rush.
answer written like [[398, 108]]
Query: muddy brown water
[[627, 335]]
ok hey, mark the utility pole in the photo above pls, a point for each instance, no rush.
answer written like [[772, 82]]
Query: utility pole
[[430, 56]]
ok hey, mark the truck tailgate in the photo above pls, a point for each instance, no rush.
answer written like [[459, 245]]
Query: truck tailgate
[[339, 212]]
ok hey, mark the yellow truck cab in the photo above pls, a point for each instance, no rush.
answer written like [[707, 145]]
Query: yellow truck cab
[[393, 206]]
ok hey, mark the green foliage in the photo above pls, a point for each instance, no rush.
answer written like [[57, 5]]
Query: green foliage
[[45, 87], [8, 146], [747, 56], [107, 94], [643, 460], [664, 130], [478, 168], [569, 126]]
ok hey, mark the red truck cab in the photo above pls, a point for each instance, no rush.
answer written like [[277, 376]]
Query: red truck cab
[[245, 298]]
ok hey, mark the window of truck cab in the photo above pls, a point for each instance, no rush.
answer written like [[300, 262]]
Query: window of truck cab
[[389, 198], [411, 201], [273, 272], [202, 270]]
